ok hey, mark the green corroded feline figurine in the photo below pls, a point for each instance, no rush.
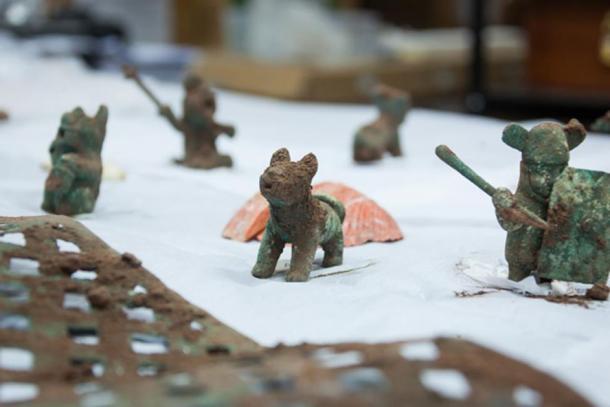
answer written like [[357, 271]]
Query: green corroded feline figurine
[[73, 184], [375, 139], [298, 217]]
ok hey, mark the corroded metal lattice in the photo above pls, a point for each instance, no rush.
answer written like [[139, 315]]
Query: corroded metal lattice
[[81, 324]]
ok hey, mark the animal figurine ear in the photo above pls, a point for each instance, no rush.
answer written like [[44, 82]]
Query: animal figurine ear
[[515, 136], [101, 117], [575, 133], [78, 111], [310, 162], [279, 156]]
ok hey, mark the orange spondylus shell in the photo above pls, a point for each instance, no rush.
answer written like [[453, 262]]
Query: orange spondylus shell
[[365, 221]]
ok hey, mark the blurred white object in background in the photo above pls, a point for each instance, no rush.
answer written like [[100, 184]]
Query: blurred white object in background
[[18, 13], [309, 32], [301, 31], [110, 171], [452, 43]]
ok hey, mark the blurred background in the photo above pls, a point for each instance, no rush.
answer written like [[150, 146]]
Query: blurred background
[[506, 58]]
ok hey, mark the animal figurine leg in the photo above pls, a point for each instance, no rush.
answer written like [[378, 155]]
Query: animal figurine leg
[[394, 146], [367, 146], [333, 252], [224, 160], [82, 200], [57, 187], [270, 250], [303, 254], [208, 162], [522, 248], [518, 272]]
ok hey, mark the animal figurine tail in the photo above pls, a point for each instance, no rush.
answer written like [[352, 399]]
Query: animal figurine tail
[[333, 203]]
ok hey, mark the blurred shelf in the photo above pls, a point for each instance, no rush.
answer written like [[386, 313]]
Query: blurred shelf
[[566, 77]]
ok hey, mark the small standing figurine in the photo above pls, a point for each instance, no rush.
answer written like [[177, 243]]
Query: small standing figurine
[[197, 125], [602, 125], [375, 139], [298, 217], [558, 219], [73, 184]]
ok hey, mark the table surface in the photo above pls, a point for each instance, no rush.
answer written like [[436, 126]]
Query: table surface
[[172, 218]]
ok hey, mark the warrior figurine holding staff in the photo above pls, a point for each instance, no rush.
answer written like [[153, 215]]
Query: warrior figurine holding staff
[[558, 219], [197, 125]]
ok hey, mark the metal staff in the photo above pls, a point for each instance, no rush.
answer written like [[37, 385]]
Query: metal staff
[[517, 213], [131, 72]]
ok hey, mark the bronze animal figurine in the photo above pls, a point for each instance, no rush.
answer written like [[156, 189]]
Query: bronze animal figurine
[[73, 185], [298, 217], [375, 139]]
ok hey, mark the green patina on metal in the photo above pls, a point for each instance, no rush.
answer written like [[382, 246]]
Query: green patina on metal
[[602, 125], [578, 248], [198, 125], [558, 219], [73, 184], [375, 139], [298, 217]]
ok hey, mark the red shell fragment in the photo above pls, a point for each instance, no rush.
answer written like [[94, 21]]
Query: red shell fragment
[[249, 221], [365, 221]]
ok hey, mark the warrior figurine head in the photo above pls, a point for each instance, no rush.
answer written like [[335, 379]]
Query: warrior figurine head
[[545, 151]]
